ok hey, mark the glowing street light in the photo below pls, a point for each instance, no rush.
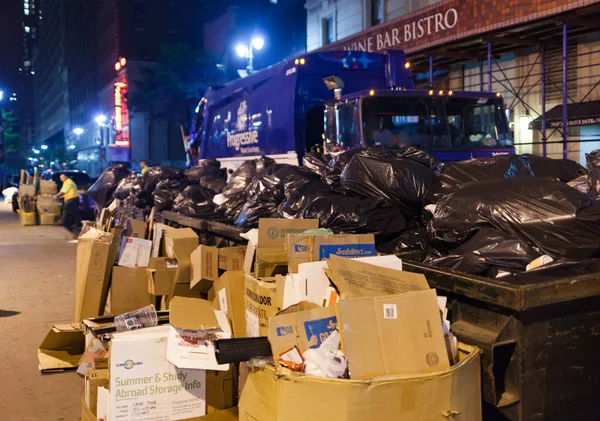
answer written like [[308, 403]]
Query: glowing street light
[[71, 147], [1, 95], [44, 147], [78, 131], [100, 119], [257, 43], [36, 151]]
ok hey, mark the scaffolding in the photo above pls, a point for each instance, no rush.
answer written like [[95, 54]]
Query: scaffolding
[[542, 58]]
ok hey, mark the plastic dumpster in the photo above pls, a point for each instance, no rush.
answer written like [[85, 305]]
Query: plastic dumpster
[[540, 342]]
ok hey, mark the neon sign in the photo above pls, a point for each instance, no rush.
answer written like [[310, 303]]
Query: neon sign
[[121, 114]]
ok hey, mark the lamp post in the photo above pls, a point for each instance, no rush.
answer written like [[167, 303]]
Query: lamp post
[[242, 50], [100, 120]]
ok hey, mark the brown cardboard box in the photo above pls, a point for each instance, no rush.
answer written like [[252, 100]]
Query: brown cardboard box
[[161, 275], [260, 305], [93, 255], [27, 218], [179, 290], [230, 414], [27, 190], [61, 349], [354, 278], [136, 228], [232, 258], [48, 187], [95, 379], [393, 335], [230, 292], [303, 248], [113, 250], [205, 267], [220, 390], [305, 328], [271, 237], [47, 204], [454, 393], [86, 412], [129, 290], [49, 218], [179, 243], [270, 262], [192, 313]]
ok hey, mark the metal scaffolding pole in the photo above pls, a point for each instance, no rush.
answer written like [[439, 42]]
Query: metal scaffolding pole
[[481, 75], [431, 71], [565, 91], [543, 71], [489, 60]]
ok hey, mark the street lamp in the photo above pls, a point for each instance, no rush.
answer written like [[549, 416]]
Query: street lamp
[[44, 147], [1, 95], [71, 147], [100, 119], [257, 43], [78, 131]]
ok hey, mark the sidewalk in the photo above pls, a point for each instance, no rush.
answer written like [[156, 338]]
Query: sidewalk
[[37, 285]]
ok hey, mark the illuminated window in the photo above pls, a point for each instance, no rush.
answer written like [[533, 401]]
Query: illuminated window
[[27, 29], [328, 30], [376, 12], [27, 12]]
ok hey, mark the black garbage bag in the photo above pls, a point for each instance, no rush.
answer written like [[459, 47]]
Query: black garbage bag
[[232, 197], [165, 193], [316, 162], [563, 169], [197, 193], [208, 173], [299, 192], [413, 237], [263, 196], [357, 215], [402, 182], [556, 218], [593, 165], [102, 190], [125, 186], [149, 181], [455, 174], [201, 210], [334, 168], [486, 249]]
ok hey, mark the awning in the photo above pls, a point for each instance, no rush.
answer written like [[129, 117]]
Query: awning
[[579, 114]]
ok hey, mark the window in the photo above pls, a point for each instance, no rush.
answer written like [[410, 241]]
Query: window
[[376, 12], [328, 30]]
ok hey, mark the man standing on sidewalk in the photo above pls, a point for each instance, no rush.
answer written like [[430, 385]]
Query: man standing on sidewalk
[[71, 205]]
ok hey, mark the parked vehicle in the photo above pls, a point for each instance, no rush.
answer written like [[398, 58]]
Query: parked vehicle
[[287, 109]]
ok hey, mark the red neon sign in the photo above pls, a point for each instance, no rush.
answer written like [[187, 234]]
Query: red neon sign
[[121, 114]]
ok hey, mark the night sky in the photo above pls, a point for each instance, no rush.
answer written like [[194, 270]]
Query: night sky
[[10, 43]]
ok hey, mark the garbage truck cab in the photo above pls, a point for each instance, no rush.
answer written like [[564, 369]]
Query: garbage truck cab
[[334, 100]]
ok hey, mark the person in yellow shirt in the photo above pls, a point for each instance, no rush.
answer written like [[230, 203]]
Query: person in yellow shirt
[[70, 210], [144, 166]]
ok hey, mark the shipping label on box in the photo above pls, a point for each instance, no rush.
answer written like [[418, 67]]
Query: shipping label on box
[[232, 258], [260, 305], [135, 252], [144, 385], [303, 248]]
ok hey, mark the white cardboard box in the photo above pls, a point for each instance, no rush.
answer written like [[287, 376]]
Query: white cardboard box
[[135, 252]]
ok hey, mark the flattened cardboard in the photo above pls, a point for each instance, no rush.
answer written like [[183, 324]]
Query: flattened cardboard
[[230, 291], [260, 305], [161, 275], [287, 397], [27, 190], [354, 278], [393, 335], [304, 329], [305, 248], [205, 267], [192, 314], [61, 349], [129, 290], [113, 251], [135, 252], [48, 187], [272, 232], [93, 255], [232, 258]]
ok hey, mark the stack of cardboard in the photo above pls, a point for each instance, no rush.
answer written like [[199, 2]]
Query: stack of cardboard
[[48, 209]]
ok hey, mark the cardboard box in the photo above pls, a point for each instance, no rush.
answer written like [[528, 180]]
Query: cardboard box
[[94, 380], [179, 243], [135, 252], [27, 218], [260, 305], [86, 412], [61, 349], [304, 248], [129, 290], [305, 328], [355, 278], [48, 187], [195, 326], [140, 372], [93, 255], [27, 190], [454, 393], [136, 228], [393, 335], [179, 290], [230, 414], [271, 235], [49, 218], [230, 291], [47, 204], [232, 258], [309, 284], [205, 267], [161, 275], [270, 262]]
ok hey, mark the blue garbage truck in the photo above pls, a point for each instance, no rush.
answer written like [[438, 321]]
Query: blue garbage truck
[[337, 100]]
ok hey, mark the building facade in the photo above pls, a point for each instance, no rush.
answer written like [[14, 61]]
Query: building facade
[[541, 57]]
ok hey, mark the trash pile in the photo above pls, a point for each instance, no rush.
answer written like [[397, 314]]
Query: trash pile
[[35, 199], [167, 328]]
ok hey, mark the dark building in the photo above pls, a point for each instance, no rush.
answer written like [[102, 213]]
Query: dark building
[[77, 85]]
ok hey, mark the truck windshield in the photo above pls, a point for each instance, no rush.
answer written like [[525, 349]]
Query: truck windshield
[[341, 127], [434, 123]]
